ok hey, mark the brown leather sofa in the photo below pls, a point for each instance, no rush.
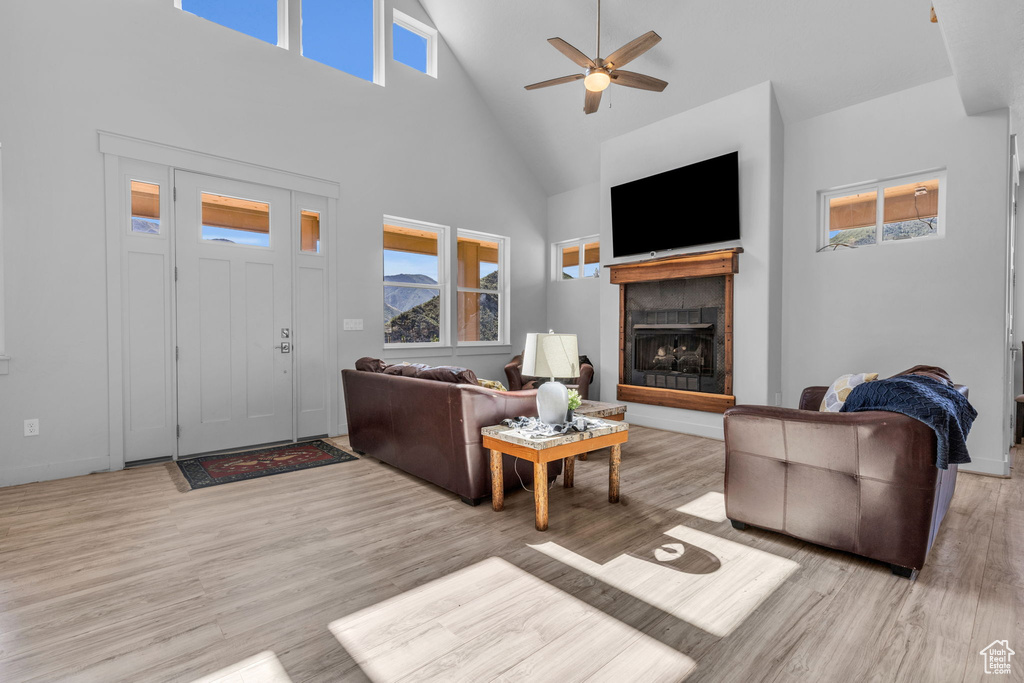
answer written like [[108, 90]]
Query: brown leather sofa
[[518, 381], [861, 482], [431, 429]]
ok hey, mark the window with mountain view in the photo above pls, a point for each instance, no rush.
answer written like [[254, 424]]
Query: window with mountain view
[[414, 302], [480, 287], [898, 209], [569, 265]]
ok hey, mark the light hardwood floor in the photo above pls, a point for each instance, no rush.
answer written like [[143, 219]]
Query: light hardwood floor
[[357, 570]]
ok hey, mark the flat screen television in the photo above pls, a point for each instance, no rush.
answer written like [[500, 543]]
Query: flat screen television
[[685, 207]]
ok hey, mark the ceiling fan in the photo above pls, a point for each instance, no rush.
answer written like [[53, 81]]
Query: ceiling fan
[[603, 72]]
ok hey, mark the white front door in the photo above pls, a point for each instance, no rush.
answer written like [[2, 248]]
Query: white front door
[[234, 313]]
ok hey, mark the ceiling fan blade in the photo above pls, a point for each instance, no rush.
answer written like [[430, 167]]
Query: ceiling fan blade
[[592, 102], [631, 50], [635, 80], [555, 81], [572, 53]]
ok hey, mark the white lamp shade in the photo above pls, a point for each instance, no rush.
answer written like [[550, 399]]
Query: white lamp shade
[[551, 355]]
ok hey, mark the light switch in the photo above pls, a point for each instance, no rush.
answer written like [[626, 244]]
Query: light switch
[[353, 324]]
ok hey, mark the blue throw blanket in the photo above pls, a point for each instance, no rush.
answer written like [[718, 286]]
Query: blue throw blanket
[[934, 403]]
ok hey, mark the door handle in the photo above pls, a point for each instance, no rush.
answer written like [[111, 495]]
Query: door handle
[[285, 347]]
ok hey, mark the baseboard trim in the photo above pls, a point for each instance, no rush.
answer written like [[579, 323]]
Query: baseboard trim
[[988, 468], [56, 470], [679, 426]]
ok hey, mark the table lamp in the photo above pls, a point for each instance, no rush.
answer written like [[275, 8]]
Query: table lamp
[[551, 355]]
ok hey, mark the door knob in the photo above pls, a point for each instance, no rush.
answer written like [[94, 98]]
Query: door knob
[[285, 347]]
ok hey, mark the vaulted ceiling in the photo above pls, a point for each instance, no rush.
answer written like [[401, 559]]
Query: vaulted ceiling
[[985, 39], [821, 55]]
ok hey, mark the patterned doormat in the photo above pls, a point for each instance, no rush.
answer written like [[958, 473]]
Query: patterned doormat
[[212, 470]]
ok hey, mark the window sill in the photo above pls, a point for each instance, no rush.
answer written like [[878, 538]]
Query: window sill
[[484, 349], [5, 365], [414, 351]]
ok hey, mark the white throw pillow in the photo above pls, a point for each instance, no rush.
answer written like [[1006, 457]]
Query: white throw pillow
[[836, 395]]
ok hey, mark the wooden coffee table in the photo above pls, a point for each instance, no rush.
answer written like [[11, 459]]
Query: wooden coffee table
[[600, 410], [540, 452], [604, 411]]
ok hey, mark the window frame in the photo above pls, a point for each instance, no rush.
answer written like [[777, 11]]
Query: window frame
[[149, 179], [4, 358], [283, 23], [289, 33], [443, 286], [403, 20], [503, 290], [879, 187], [557, 249]]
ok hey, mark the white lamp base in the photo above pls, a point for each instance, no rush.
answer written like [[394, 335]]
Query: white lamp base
[[552, 402]]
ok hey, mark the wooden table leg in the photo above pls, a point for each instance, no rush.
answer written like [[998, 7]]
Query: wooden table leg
[[613, 473], [568, 472], [497, 482], [540, 494], [582, 456]]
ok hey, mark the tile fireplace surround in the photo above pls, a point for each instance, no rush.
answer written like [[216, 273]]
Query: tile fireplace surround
[[675, 330]]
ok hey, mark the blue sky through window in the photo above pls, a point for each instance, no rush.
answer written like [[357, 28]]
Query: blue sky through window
[[339, 33], [251, 239], [256, 18], [410, 48], [406, 263]]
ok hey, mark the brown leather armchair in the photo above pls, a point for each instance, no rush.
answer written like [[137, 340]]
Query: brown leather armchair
[[517, 381], [864, 482]]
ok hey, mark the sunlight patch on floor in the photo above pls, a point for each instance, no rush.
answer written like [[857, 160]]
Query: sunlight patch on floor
[[494, 620], [710, 506], [262, 668], [715, 592]]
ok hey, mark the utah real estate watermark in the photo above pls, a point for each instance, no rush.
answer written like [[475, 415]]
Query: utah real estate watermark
[[997, 657]]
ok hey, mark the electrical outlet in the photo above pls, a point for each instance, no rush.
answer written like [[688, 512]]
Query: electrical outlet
[[353, 324], [32, 427]]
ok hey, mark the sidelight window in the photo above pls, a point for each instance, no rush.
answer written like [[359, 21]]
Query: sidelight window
[[145, 208]]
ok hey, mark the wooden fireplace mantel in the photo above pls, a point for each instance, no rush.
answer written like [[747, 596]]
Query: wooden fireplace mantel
[[699, 264], [719, 263]]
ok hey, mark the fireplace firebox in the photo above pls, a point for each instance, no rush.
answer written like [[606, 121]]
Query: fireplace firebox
[[675, 349]]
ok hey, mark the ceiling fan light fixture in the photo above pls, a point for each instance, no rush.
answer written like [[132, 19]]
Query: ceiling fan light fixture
[[596, 80]]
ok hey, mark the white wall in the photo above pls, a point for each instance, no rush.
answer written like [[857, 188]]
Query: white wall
[[747, 121], [572, 304], [889, 307], [420, 148], [1018, 312]]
